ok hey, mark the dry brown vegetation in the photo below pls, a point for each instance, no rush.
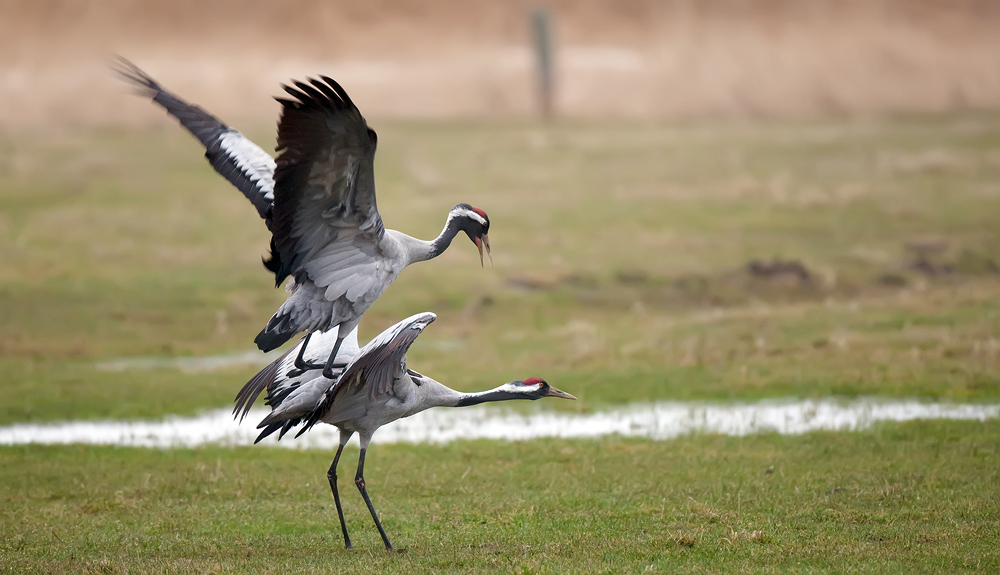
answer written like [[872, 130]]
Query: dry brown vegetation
[[636, 58]]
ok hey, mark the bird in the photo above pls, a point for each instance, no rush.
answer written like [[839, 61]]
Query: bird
[[234, 156], [374, 389], [328, 235], [318, 201]]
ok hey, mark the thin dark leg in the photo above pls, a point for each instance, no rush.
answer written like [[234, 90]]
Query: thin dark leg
[[332, 476], [300, 361], [302, 366], [328, 368], [359, 480]]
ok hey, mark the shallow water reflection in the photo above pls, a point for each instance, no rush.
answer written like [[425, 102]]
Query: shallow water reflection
[[663, 420]]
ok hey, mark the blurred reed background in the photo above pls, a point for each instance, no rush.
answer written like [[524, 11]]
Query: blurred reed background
[[473, 58]]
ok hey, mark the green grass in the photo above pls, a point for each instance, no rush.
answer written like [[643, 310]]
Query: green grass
[[621, 275], [916, 497], [621, 255]]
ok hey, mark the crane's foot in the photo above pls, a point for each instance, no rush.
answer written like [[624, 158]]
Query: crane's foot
[[312, 366], [300, 369]]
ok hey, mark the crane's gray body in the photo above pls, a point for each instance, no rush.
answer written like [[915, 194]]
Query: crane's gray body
[[375, 387], [318, 200]]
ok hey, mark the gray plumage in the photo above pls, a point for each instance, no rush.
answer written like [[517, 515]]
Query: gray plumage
[[281, 377], [318, 200], [235, 157], [328, 234], [373, 389]]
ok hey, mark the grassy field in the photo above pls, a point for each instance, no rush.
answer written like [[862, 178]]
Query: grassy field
[[922, 497], [710, 260]]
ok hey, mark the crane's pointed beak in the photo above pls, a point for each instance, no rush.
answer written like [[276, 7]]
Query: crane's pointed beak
[[481, 242], [553, 392]]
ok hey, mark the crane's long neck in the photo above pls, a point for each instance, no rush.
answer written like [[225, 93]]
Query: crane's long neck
[[498, 394], [437, 394], [422, 250]]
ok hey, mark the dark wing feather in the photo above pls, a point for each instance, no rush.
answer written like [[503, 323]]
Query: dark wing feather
[[293, 402], [236, 158], [268, 431], [253, 388], [293, 397], [375, 366], [324, 180]]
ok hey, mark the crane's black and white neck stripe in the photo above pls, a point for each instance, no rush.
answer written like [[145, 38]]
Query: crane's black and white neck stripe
[[531, 388], [462, 218]]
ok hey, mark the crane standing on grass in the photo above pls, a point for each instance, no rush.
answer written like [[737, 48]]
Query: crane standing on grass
[[318, 201], [374, 389]]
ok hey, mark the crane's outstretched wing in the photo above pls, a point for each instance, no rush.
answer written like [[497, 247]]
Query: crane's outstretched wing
[[326, 224], [375, 366], [377, 363], [276, 378], [236, 158]]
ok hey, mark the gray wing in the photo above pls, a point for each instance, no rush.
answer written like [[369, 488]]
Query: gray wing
[[375, 366], [236, 158], [276, 378], [326, 225]]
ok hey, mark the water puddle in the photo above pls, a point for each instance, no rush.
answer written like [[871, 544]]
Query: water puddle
[[659, 421]]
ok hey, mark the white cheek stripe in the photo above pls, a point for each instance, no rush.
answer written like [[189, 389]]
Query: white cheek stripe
[[469, 214], [520, 388]]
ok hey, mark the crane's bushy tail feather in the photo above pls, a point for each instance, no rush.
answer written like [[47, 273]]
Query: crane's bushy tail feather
[[296, 315], [273, 337]]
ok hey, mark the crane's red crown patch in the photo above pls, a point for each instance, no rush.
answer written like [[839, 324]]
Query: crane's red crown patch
[[533, 381]]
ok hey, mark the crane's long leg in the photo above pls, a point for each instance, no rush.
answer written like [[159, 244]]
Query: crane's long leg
[[300, 361], [331, 475], [328, 368], [301, 366], [359, 480]]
